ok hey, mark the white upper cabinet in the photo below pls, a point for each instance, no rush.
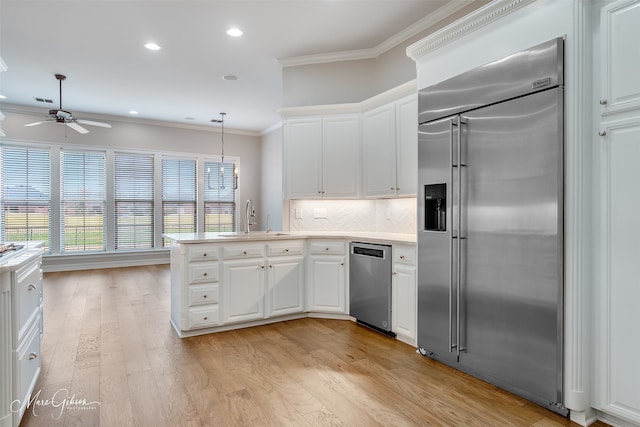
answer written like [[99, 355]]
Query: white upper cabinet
[[390, 147], [407, 146], [322, 157], [341, 152], [303, 158], [379, 144], [620, 61]]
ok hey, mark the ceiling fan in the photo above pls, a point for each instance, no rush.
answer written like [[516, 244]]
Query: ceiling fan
[[62, 116]]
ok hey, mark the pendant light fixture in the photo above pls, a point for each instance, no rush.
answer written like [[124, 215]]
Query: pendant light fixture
[[235, 169]]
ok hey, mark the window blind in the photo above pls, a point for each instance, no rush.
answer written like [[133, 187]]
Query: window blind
[[26, 195], [134, 185], [83, 199], [178, 196]]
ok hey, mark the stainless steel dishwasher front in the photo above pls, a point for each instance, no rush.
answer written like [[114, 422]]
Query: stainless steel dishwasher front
[[370, 285]]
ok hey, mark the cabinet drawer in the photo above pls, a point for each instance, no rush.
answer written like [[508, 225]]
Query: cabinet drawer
[[285, 248], [202, 252], [244, 251], [404, 255], [203, 294], [327, 247], [28, 363], [201, 272], [202, 317], [29, 291]]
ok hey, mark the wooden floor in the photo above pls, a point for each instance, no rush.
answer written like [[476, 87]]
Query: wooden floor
[[111, 358]]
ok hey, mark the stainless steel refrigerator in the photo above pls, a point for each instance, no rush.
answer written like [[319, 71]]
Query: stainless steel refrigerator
[[490, 223]]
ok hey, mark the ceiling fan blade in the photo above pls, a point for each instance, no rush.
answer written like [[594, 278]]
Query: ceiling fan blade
[[36, 123], [77, 127], [92, 123]]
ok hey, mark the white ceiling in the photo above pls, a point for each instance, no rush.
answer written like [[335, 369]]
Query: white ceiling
[[98, 45]]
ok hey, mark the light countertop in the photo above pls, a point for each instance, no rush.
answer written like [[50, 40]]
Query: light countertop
[[17, 259], [372, 237]]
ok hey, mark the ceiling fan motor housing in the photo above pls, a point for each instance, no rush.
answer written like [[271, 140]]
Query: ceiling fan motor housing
[[60, 115]]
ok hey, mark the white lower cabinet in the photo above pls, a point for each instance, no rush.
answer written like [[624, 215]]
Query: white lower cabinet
[[327, 277], [243, 290], [213, 285], [285, 282], [404, 293]]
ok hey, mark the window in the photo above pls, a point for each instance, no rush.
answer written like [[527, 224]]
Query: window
[[133, 180], [178, 196], [219, 197], [26, 194], [83, 200]]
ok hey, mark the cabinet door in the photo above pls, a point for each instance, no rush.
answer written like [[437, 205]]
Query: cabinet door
[[243, 285], [404, 302], [341, 156], [618, 290], [285, 286], [619, 62], [407, 146], [303, 158], [327, 284], [379, 142]]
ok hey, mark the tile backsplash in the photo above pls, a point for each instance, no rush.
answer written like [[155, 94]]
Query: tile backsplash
[[380, 215]]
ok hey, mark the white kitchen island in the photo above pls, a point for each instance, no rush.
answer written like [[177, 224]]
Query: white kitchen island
[[227, 281], [20, 329]]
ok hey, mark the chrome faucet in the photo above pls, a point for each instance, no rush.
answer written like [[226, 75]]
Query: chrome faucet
[[249, 213]]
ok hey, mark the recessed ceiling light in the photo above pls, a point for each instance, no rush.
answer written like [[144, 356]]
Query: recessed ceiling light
[[230, 77], [234, 32], [3, 97], [133, 112], [152, 46]]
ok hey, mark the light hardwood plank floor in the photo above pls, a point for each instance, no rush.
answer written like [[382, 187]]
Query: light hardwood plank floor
[[111, 358]]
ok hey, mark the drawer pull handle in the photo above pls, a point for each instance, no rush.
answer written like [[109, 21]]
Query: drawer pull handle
[[204, 254], [326, 249], [32, 356], [244, 252], [204, 296], [401, 256], [286, 250], [32, 287], [270, 266], [206, 318], [204, 274]]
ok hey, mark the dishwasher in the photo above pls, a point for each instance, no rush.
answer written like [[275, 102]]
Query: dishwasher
[[370, 285]]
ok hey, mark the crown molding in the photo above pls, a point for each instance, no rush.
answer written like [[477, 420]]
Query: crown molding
[[393, 41], [485, 15]]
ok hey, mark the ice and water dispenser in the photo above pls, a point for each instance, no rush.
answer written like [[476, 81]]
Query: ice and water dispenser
[[435, 205]]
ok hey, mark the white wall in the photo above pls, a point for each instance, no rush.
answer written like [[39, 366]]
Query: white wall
[[271, 180]]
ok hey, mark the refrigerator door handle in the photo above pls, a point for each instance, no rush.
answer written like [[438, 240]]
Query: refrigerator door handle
[[452, 268], [459, 347]]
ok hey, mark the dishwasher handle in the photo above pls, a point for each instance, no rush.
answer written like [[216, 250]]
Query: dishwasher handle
[[370, 251]]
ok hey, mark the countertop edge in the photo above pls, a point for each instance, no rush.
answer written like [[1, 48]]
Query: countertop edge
[[397, 238]]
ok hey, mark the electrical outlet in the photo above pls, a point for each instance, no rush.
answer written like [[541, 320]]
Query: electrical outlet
[[298, 213], [319, 213]]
